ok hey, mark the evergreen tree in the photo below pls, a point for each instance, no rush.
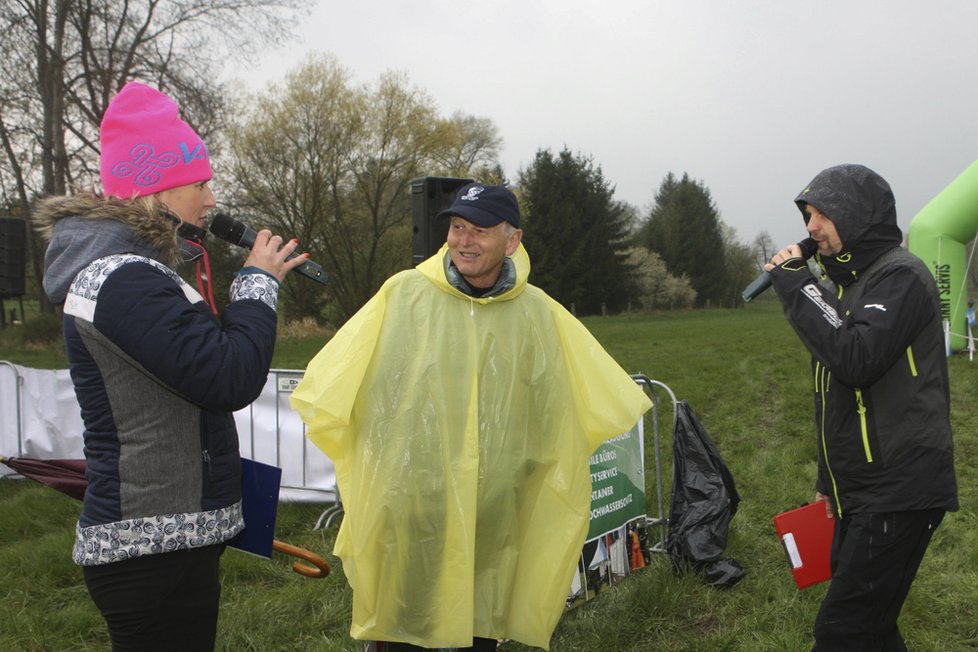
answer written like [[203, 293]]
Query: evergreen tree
[[576, 233], [651, 233], [684, 228]]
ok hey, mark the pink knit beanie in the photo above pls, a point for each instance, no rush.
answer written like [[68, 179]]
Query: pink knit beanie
[[146, 147]]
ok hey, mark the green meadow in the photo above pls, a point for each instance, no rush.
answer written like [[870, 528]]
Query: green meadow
[[744, 373]]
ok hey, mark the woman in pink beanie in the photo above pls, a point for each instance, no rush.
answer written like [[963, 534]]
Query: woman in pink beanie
[[146, 148], [157, 374]]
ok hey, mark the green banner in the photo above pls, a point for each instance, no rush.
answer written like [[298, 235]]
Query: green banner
[[617, 482], [617, 542]]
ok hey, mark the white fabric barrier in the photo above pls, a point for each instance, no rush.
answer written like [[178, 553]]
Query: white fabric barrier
[[42, 420]]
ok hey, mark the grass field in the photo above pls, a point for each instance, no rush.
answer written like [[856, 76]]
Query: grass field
[[743, 372]]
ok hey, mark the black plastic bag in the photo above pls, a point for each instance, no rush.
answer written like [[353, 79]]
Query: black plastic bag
[[704, 500]]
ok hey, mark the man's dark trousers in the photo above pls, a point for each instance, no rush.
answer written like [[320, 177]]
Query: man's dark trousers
[[874, 560]]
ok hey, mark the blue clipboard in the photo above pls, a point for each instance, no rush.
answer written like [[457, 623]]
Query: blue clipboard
[[260, 485]]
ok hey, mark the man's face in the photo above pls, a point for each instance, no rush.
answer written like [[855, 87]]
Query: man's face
[[478, 251], [190, 202], [823, 230]]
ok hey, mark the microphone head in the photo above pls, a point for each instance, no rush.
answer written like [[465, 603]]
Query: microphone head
[[808, 247], [227, 228]]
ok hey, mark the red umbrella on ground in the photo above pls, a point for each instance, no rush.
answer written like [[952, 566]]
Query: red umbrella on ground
[[68, 477]]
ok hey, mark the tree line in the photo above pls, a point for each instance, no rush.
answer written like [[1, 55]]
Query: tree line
[[329, 161]]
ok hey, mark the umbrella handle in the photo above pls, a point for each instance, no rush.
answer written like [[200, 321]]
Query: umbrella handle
[[321, 566]]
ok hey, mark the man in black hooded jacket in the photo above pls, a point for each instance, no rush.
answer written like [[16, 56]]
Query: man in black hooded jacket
[[885, 456]]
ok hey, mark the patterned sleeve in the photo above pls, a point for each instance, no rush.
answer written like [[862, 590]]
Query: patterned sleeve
[[258, 285]]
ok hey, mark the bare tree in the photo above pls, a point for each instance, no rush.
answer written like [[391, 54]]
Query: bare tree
[[63, 60], [332, 162], [762, 248], [469, 143], [739, 261]]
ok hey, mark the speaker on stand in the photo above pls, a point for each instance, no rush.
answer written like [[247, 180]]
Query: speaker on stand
[[13, 263], [430, 196]]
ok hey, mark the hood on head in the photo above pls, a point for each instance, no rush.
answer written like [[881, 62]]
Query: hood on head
[[858, 201]]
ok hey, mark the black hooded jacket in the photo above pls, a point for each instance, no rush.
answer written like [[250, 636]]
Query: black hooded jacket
[[879, 363]]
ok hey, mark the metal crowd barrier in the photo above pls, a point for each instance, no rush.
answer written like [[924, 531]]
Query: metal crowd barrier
[[660, 520], [18, 383]]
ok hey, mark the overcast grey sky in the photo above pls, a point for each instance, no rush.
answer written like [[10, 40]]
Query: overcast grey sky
[[752, 98]]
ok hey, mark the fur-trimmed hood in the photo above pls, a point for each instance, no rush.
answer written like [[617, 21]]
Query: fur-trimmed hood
[[83, 228]]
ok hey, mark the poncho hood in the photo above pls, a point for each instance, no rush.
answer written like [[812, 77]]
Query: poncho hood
[[83, 228], [434, 270], [861, 206]]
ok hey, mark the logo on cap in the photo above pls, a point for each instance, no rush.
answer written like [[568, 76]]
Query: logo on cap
[[472, 194]]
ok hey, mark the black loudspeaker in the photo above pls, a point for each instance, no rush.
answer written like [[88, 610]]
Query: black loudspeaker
[[13, 256], [429, 196]]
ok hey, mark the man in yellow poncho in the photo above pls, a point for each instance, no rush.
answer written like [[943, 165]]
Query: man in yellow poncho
[[460, 406]]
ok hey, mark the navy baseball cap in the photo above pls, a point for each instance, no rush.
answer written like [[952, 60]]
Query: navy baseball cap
[[484, 205]]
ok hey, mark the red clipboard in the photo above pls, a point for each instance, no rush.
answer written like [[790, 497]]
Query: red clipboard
[[806, 534]]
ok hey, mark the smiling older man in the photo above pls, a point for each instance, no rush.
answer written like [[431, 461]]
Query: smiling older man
[[460, 406]]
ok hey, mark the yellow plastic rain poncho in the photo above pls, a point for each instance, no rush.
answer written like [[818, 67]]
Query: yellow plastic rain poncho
[[461, 429]]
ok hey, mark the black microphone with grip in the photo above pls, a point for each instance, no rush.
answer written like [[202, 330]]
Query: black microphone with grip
[[808, 248], [238, 233]]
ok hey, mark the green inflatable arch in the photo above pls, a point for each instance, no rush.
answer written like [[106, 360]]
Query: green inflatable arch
[[938, 235]]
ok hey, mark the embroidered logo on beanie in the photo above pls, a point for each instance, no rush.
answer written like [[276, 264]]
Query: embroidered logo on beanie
[[146, 147]]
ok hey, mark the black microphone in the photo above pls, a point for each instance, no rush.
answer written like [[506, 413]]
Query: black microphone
[[238, 233], [808, 248]]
